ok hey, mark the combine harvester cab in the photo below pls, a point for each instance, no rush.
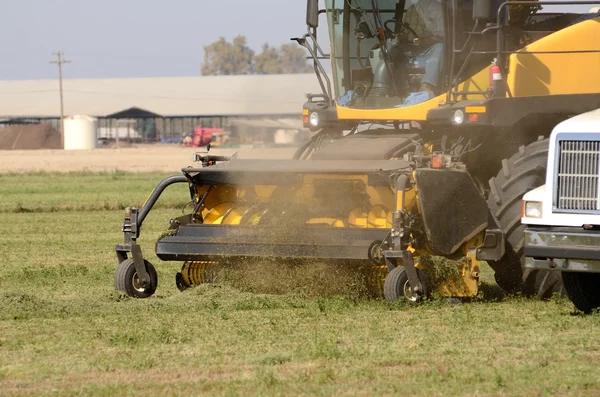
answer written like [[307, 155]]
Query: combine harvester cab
[[562, 217], [381, 214]]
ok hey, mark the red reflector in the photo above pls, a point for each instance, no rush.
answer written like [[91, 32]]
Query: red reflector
[[473, 118], [437, 162], [305, 120]]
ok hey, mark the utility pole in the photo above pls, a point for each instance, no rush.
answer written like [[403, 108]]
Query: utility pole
[[59, 61]]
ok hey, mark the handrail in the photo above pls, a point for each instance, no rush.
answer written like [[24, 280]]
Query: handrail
[[319, 69]]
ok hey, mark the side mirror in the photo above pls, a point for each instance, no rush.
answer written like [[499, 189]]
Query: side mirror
[[482, 9], [312, 13]]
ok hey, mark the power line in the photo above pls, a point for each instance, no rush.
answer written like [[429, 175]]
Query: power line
[[59, 61]]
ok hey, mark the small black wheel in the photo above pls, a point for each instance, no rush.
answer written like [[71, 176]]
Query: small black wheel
[[375, 253], [396, 286], [583, 289], [180, 283], [127, 280]]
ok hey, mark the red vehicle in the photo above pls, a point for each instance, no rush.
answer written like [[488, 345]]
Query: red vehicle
[[203, 136]]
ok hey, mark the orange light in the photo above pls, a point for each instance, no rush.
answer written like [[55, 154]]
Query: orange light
[[437, 162], [305, 120], [473, 118]]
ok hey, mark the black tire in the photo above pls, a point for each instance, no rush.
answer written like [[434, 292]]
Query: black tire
[[543, 283], [524, 171], [583, 289], [180, 283], [125, 279], [397, 280]]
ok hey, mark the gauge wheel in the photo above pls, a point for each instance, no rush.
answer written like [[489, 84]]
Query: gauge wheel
[[128, 281], [397, 286]]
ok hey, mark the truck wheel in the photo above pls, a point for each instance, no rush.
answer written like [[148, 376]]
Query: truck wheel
[[521, 173], [396, 286], [127, 280], [583, 290]]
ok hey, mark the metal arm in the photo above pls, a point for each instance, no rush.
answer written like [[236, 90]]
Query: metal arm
[[319, 70], [155, 195], [134, 218], [132, 225]]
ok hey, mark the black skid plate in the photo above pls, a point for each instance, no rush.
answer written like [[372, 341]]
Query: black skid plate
[[212, 242]]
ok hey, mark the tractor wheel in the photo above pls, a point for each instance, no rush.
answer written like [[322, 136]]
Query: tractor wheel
[[127, 280], [524, 171], [583, 290], [396, 286]]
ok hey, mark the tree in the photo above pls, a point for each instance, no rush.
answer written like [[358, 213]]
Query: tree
[[267, 62], [289, 58], [225, 58], [293, 59]]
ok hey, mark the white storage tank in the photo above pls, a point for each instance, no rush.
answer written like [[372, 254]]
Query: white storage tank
[[81, 132]]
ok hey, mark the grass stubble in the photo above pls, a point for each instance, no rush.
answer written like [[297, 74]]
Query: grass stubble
[[266, 329]]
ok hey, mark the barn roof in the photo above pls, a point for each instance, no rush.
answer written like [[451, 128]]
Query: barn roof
[[252, 95]]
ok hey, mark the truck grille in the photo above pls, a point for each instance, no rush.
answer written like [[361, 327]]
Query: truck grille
[[578, 172]]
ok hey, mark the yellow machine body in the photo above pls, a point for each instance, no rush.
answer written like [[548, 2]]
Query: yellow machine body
[[557, 64], [535, 70], [479, 81], [247, 205], [289, 207]]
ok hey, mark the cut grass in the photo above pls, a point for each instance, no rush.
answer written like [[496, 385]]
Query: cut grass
[[65, 331], [82, 191]]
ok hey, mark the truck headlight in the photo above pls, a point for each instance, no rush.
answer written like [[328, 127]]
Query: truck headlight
[[532, 209]]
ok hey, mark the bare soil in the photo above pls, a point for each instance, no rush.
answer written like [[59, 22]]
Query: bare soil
[[29, 137], [141, 158]]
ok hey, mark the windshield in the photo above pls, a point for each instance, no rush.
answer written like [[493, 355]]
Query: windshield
[[385, 53]]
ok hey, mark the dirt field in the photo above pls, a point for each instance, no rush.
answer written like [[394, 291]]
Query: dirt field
[[29, 137], [144, 158]]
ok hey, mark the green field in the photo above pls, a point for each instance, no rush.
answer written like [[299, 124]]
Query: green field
[[65, 331]]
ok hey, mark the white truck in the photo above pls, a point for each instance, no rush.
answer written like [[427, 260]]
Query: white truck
[[562, 217]]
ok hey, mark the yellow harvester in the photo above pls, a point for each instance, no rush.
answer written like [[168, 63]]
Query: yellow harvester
[[428, 131]]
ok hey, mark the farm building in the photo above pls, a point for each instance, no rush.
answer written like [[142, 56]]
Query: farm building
[[253, 106]]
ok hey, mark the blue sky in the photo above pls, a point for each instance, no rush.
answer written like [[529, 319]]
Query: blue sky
[[134, 38]]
